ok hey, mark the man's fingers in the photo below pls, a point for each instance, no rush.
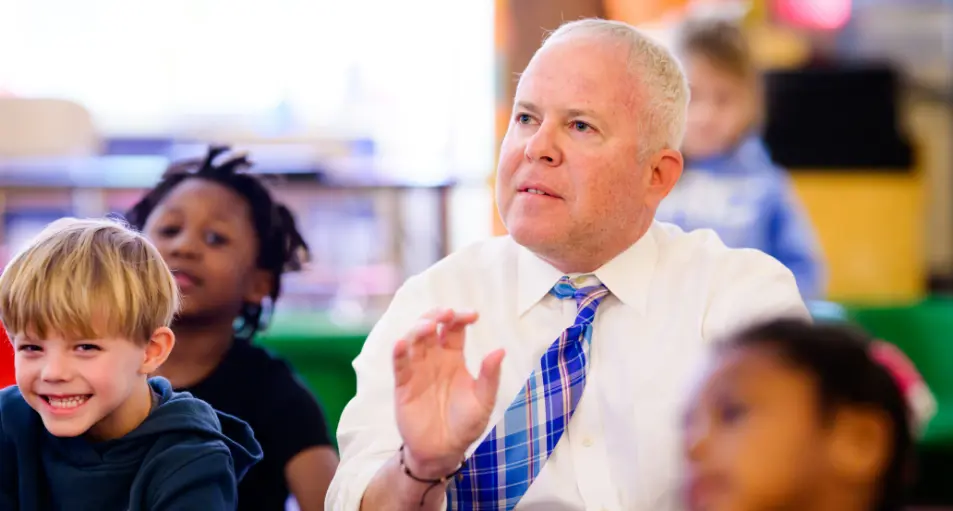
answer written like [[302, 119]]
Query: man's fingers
[[462, 318], [423, 330], [451, 317], [451, 332], [439, 314], [489, 379], [421, 337], [402, 369]]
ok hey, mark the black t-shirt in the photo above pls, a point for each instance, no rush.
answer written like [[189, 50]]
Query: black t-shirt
[[262, 390]]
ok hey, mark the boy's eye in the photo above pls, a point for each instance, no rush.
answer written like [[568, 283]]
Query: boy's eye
[[29, 348], [87, 347]]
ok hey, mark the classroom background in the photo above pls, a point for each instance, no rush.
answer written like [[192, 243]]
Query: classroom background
[[377, 122]]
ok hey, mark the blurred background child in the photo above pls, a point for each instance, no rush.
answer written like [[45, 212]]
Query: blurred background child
[[797, 416], [730, 184], [228, 244]]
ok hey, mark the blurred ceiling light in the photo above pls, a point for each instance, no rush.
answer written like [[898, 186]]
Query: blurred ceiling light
[[720, 9]]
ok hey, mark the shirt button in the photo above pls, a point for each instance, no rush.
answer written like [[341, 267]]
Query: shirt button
[[587, 442]]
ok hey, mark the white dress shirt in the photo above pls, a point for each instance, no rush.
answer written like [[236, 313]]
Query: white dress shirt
[[672, 293]]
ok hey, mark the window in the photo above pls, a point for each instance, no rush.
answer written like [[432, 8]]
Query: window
[[416, 77]]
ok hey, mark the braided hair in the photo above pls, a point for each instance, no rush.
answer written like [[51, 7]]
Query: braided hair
[[281, 248]]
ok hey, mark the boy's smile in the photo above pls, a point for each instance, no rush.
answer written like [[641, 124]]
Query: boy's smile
[[83, 387], [65, 404], [64, 415]]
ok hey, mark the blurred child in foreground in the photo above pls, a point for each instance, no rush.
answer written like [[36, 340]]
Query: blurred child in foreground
[[88, 305], [730, 184], [801, 417]]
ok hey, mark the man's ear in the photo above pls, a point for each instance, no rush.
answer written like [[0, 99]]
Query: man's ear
[[260, 284], [158, 348], [665, 167]]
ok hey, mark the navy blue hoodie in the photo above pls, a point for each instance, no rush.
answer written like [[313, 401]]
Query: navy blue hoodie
[[185, 455]]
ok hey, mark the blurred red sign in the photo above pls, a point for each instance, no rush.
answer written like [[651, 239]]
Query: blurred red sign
[[813, 14]]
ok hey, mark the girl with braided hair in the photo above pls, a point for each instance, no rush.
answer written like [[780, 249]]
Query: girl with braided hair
[[228, 242]]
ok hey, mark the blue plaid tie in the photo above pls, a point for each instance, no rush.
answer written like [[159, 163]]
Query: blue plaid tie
[[507, 461]]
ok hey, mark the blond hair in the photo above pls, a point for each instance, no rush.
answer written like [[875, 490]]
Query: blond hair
[[88, 279], [665, 86], [722, 42]]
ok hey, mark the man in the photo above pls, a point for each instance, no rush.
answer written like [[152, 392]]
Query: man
[[589, 154]]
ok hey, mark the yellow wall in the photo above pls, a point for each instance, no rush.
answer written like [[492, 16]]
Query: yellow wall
[[871, 228]]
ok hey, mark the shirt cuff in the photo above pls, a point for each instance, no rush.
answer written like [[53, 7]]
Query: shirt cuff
[[349, 494]]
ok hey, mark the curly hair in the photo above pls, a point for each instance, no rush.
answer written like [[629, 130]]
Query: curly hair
[[281, 248]]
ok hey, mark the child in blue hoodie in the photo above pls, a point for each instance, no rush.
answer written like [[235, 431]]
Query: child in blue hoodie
[[88, 306], [730, 184]]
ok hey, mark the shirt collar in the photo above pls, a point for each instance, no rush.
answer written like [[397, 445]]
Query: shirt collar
[[627, 276]]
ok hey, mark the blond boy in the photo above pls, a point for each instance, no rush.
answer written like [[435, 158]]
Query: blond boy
[[87, 306]]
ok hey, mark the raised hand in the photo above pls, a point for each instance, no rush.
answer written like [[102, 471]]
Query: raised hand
[[441, 408]]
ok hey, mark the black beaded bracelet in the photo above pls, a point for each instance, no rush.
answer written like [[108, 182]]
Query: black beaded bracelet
[[432, 482]]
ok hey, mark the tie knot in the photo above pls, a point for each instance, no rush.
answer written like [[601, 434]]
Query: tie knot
[[579, 288]]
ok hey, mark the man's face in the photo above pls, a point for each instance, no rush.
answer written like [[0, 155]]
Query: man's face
[[570, 175]]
